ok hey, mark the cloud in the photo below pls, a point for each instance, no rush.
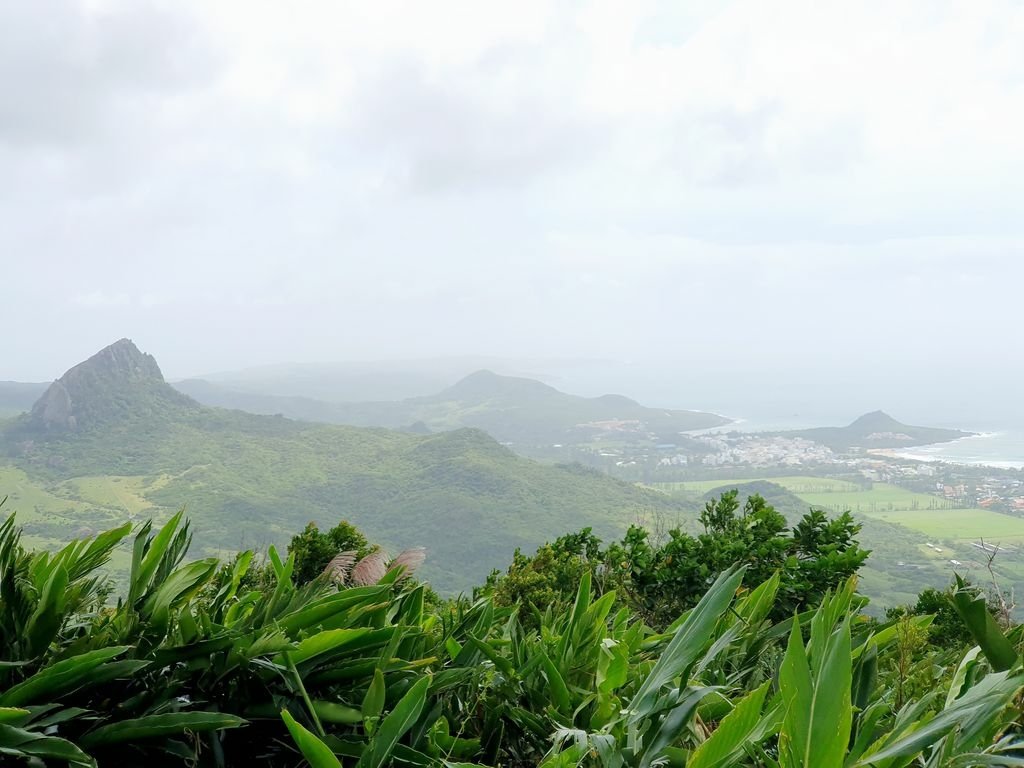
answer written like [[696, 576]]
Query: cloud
[[69, 75], [457, 176], [101, 300], [466, 130]]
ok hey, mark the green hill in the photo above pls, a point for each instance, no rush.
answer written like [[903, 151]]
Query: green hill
[[877, 430], [111, 438], [524, 413]]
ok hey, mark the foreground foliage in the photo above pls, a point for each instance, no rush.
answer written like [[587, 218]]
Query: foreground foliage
[[199, 665], [660, 580]]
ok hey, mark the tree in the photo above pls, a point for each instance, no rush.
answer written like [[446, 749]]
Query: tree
[[547, 578], [826, 553], [661, 581], [947, 629], [314, 549]]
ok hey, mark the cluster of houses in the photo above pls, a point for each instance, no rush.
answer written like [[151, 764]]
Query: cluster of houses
[[763, 451]]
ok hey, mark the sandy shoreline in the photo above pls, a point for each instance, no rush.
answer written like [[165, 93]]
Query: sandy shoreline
[[923, 454]]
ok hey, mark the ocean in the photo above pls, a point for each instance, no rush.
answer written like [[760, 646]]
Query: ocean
[[993, 449]]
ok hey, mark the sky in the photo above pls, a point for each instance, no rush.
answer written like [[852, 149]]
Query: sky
[[732, 197]]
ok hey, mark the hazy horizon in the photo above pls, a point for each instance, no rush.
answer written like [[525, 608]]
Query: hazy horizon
[[799, 208], [770, 402]]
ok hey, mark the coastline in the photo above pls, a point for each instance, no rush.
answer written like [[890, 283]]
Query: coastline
[[947, 453]]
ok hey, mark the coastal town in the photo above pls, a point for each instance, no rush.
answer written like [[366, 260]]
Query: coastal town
[[645, 458]]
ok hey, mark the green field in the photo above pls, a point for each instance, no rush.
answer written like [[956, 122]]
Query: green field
[[54, 513], [959, 524], [797, 485], [126, 493], [32, 501], [120, 496], [922, 512], [930, 515]]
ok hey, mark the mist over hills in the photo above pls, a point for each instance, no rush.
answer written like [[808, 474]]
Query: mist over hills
[[516, 410], [370, 380], [250, 479]]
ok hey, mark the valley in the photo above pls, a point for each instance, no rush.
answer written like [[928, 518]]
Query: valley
[[506, 462], [112, 441]]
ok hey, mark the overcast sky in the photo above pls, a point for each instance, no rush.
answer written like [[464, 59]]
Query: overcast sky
[[809, 186]]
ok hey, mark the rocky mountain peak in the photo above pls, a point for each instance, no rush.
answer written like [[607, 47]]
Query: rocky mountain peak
[[118, 379]]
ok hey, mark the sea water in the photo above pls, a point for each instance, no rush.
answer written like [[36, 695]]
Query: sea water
[[992, 449]]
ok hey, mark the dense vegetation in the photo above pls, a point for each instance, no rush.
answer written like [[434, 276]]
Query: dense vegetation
[[883, 578], [251, 480], [659, 580], [770, 662]]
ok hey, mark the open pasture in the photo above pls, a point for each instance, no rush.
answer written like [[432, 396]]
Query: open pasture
[[959, 524], [795, 484]]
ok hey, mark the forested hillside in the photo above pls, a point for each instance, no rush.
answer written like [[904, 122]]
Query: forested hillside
[[112, 437]]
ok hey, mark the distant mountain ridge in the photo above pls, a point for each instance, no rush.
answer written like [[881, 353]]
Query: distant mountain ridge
[[516, 410], [113, 423], [878, 429]]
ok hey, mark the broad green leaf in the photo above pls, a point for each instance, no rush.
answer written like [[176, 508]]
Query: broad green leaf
[[320, 611], [373, 701], [963, 672], [95, 553], [672, 724], [333, 712], [579, 610], [21, 743], [48, 616], [818, 711], [142, 577], [556, 685], [183, 583], [754, 607], [54, 681], [691, 637], [865, 678], [395, 725], [13, 714], [612, 666], [983, 628], [160, 726], [725, 745], [496, 658], [318, 754], [326, 643]]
